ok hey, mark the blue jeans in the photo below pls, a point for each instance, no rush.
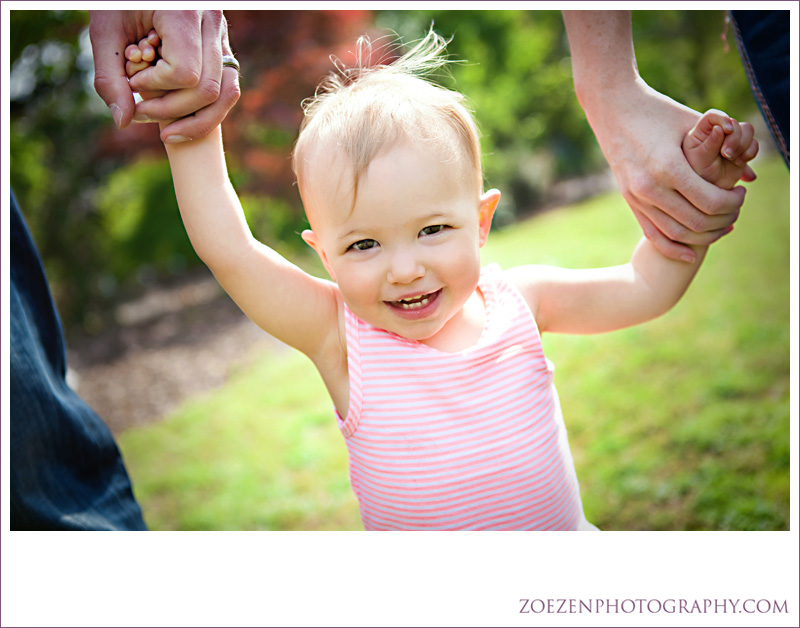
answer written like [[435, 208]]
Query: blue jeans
[[763, 40], [66, 470]]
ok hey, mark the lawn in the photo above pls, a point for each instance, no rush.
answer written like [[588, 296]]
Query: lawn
[[679, 424]]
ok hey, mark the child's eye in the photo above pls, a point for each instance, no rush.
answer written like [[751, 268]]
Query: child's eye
[[363, 245], [433, 229]]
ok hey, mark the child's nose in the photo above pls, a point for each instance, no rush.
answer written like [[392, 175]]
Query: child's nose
[[404, 268]]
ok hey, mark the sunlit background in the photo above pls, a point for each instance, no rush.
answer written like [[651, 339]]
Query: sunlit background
[[223, 428]]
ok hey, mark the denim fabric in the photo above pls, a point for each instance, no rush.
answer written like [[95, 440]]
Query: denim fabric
[[763, 40], [66, 470]]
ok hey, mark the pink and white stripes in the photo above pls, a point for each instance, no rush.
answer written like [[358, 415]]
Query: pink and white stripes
[[459, 441]]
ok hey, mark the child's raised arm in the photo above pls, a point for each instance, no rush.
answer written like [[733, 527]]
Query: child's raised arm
[[290, 304], [293, 306]]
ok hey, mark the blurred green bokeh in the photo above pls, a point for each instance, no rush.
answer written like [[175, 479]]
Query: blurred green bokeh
[[100, 203]]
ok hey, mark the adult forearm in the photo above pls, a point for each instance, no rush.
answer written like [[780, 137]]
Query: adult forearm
[[603, 58], [640, 132]]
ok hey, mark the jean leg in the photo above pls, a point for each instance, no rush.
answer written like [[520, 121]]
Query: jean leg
[[67, 472], [763, 41]]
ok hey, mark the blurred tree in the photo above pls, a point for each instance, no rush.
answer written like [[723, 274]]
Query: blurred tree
[[100, 201], [52, 143], [518, 76], [691, 56], [283, 54]]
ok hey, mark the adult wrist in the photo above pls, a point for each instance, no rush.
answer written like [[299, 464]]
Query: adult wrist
[[595, 90]]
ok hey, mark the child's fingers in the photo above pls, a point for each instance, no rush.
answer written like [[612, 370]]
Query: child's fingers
[[148, 52], [748, 144], [141, 55], [153, 39], [132, 68], [714, 140], [133, 53], [731, 147], [702, 146], [710, 119], [750, 153], [746, 147]]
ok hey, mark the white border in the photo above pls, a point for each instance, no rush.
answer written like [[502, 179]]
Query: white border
[[359, 579]]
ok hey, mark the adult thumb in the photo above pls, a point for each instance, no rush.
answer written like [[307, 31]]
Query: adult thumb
[[110, 80]]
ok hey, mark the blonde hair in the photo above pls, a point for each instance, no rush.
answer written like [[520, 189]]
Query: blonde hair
[[362, 111]]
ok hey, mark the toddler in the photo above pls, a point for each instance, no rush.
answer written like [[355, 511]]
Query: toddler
[[434, 365]]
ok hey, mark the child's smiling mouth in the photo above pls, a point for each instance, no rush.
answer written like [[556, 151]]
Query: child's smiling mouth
[[417, 306]]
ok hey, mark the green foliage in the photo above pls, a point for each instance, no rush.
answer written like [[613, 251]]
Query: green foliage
[[139, 213], [517, 74], [53, 139], [31, 27], [683, 54], [679, 424], [98, 219], [66, 156], [273, 221]]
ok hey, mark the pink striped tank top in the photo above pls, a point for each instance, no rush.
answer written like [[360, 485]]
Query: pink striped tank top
[[472, 440]]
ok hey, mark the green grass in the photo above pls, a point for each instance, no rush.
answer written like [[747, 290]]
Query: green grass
[[680, 424]]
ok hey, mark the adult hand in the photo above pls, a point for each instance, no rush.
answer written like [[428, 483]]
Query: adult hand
[[189, 69], [640, 132], [641, 135]]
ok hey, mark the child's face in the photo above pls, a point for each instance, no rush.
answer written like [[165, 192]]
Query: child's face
[[406, 259]]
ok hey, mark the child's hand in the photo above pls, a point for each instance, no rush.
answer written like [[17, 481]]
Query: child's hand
[[143, 55], [719, 147]]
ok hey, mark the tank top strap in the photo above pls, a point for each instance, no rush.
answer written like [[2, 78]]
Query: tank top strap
[[348, 424]]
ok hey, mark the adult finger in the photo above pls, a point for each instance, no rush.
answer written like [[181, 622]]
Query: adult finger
[[748, 155], [208, 118], [687, 232], [711, 201], [692, 204], [180, 103], [109, 39], [181, 62], [668, 248]]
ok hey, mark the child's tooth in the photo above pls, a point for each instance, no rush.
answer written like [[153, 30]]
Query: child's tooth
[[413, 303]]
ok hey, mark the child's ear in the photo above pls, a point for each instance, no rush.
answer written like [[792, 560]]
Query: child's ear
[[311, 239], [488, 205]]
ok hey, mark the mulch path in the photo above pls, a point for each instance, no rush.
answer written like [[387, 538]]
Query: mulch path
[[172, 343]]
